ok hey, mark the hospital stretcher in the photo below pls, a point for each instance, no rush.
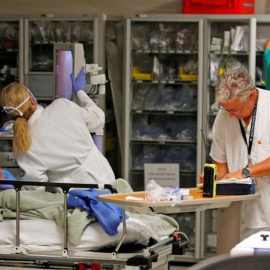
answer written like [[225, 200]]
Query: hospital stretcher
[[157, 254], [228, 206]]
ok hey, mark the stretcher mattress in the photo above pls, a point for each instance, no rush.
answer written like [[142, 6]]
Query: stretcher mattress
[[45, 235]]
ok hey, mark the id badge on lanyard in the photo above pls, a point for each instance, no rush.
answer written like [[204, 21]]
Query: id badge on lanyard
[[249, 160], [251, 134]]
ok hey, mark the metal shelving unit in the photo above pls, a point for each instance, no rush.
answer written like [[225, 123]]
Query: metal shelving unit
[[162, 100], [40, 35], [221, 56], [163, 107], [11, 50]]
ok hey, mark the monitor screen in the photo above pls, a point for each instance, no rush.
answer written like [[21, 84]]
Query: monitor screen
[[68, 58]]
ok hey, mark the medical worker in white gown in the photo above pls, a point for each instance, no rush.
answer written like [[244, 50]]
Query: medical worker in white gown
[[54, 144], [241, 142]]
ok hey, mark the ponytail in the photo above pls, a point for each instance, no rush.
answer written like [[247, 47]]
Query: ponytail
[[21, 138]]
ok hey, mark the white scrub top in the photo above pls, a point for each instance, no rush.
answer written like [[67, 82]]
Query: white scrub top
[[62, 148], [229, 147]]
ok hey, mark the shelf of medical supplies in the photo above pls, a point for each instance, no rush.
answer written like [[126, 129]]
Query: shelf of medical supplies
[[161, 142], [51, 42], [168, 112], [46, 72], [246, 53], [176, 82], [164, 52], [9, 50]]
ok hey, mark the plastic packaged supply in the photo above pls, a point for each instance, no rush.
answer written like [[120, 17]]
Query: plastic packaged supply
[[138, 101], [155, 192]]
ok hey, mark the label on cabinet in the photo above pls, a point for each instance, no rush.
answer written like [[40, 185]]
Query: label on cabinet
[[164, 174]]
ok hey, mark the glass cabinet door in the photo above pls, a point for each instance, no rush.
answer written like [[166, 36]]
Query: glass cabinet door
[[162, 94], [11, 65], [11, 41], [227, 46]]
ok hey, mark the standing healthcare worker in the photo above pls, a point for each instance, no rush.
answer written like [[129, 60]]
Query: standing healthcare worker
[[241, 142], [54, 144]]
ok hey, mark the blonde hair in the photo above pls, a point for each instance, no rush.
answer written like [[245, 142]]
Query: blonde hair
[[13, 95]]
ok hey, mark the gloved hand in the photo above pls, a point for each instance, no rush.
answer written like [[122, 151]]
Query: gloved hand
[[78, 83]]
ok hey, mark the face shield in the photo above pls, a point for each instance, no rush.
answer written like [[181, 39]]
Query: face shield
[[33, 97]]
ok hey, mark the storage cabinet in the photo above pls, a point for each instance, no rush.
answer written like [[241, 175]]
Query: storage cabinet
[[11, 69], [162, 93], [11, 50], [229, 43], [162, 69], [40, 35]]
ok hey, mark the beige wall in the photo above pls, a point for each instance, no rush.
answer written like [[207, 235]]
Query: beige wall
[[109, 7]]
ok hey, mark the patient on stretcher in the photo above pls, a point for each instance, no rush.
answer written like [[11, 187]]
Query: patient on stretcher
[[42, 211]]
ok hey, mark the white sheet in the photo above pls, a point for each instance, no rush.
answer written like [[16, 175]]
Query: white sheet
[[45, 235]]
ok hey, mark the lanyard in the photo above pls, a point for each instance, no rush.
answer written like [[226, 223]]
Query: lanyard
[[251, 134]]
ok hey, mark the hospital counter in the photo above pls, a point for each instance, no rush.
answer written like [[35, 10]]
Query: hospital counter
[[228, 214]]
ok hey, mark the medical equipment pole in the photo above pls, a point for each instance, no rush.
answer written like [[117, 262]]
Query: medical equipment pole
[[124, 231], [65, 250], [18, 218]]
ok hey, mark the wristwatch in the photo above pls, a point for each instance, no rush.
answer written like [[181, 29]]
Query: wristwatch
[[246, 172]]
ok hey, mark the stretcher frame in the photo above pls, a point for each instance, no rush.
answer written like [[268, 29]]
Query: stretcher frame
[[150, 257], [228, 229]]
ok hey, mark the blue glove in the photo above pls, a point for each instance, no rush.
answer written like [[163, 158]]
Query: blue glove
[[78, 83]]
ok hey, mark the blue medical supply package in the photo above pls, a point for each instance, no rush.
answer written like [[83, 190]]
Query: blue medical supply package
[[236, 187]]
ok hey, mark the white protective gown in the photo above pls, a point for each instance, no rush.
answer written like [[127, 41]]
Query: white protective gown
[[62, 148], [229, 147]]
